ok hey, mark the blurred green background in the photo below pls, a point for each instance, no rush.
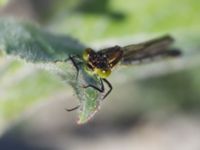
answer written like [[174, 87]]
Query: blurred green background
[[158, 101]]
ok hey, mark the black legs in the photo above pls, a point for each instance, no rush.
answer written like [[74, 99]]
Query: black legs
[[75, 65], [72, 109], [102, 88], [110, 88]]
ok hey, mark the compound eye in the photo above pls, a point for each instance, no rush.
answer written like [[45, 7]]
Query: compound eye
[[103, 73], [86, 54]]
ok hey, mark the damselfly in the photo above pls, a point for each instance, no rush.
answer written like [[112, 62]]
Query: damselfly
[[102, 62]]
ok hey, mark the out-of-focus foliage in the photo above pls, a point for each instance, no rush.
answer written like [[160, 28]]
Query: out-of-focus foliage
[[3, 2], [101, 19], [127, 22], [15, 96]]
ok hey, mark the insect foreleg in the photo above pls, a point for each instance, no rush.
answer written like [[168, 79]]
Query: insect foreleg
[[110, 88], [101, 89]]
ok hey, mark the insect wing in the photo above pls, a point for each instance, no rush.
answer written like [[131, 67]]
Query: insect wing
[[113, 55], [152, 48]]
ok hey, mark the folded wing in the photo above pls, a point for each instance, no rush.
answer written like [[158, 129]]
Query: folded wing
[[160, 47]]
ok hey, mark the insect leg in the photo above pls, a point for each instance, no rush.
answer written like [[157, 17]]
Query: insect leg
[[75, 65], [72, 109], [74, 62], [101, 89], [71, 58], [110, 86]]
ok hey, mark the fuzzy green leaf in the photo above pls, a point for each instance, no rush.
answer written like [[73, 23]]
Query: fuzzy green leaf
[[42, 48], [34, 44]]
